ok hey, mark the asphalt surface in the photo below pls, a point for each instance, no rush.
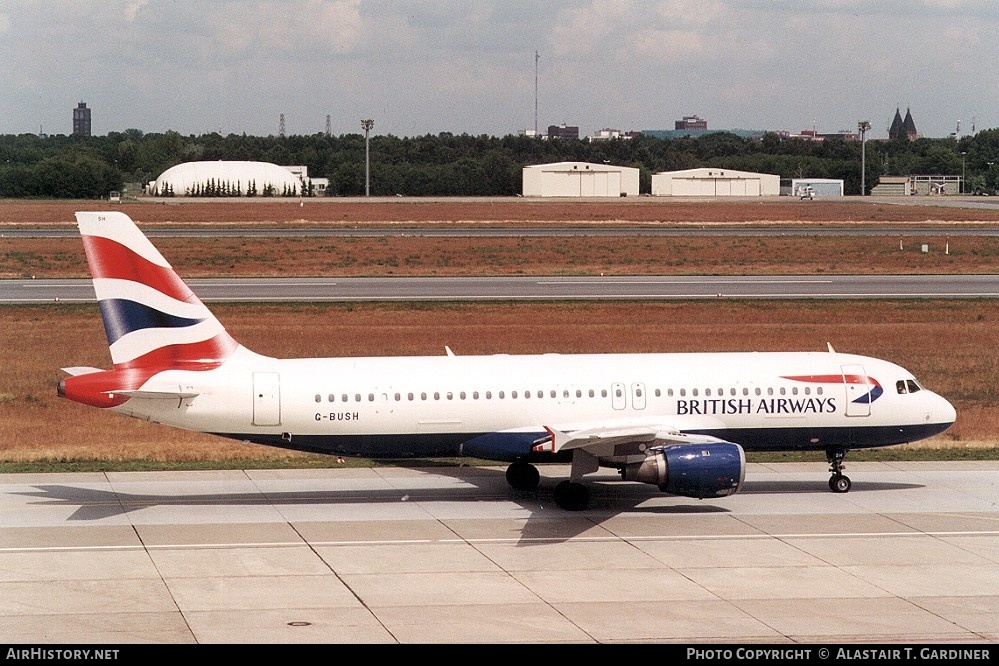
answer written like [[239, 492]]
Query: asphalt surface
[[538, 288]]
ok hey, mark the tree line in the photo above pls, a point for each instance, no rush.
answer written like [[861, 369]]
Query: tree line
[[465, 165]]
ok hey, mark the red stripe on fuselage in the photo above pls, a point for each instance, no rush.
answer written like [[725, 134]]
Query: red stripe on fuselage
[[835, 379], [111, 259]]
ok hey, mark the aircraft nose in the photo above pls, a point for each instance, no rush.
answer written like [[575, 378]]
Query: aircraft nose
[[940, 412], [947, 413]]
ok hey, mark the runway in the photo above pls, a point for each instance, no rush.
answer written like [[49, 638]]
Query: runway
[[452, 555], [505, 288]]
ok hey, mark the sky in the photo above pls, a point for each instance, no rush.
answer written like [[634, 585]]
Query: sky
[[469, 66]]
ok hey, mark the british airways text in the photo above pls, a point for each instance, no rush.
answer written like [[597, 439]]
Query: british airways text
[[712, 406]]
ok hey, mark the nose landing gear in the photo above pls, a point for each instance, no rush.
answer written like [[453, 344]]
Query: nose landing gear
[[838, 482]]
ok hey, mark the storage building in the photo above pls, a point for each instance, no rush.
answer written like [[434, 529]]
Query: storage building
[[714, 182], [819, 187], [209, 178], [579, 179]]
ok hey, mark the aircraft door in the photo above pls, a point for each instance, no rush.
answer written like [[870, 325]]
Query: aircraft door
[[618, 397], [638, 395], [266, 399], [858, 390]]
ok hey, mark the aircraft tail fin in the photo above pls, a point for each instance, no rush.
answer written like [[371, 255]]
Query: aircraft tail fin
[[151, 317]]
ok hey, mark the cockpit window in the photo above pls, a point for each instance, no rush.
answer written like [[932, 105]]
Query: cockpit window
[[904, 386], [913, 385], [900, 387]]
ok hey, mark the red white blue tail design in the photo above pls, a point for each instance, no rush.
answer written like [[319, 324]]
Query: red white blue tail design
[[152, 318]]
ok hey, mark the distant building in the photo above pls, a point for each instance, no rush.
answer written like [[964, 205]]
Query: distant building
[[81, 120], [924, 185], [563, 132], [714, 182], [606, 134], [812, 187], [580, 179], [813, 135], [903, 128], [691, 123], [218, 178]]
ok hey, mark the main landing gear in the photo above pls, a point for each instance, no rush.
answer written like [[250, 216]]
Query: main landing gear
[[569, 495], [838, 482], [523, 476]]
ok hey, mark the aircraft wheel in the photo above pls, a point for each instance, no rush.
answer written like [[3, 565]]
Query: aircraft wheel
[[523, 476], [572, 496], [840, 483]]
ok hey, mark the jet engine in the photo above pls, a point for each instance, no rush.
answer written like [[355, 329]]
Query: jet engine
[[692, 470]]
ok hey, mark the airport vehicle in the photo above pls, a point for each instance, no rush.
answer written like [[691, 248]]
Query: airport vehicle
[[679, 421]]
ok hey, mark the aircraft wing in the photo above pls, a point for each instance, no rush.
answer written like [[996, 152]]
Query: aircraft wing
[[618, 440]]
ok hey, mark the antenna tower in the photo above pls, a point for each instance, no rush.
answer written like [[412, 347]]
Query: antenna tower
[[537, 57], [281, 126], [329, 127]]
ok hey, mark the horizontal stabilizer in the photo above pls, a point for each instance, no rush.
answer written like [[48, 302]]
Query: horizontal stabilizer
[[81, 370], [155, 395]]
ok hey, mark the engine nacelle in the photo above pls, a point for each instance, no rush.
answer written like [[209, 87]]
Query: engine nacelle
[[692, 470]]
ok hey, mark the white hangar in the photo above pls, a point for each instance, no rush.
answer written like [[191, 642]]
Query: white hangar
[[714, 182], [579, 179], [191, 179]]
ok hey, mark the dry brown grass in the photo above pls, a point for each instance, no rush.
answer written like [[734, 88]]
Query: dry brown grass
[[620, 255]]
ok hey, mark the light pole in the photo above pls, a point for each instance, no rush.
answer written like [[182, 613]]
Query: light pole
[[863, 126], [963, 162], [367, 125]]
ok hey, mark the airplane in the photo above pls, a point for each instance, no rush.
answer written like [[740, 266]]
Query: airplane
[[680, 421]]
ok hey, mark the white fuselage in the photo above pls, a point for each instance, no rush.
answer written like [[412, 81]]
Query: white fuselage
[[496, 406]]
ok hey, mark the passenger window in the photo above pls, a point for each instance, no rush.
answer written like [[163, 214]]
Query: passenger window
[[319, 398]]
